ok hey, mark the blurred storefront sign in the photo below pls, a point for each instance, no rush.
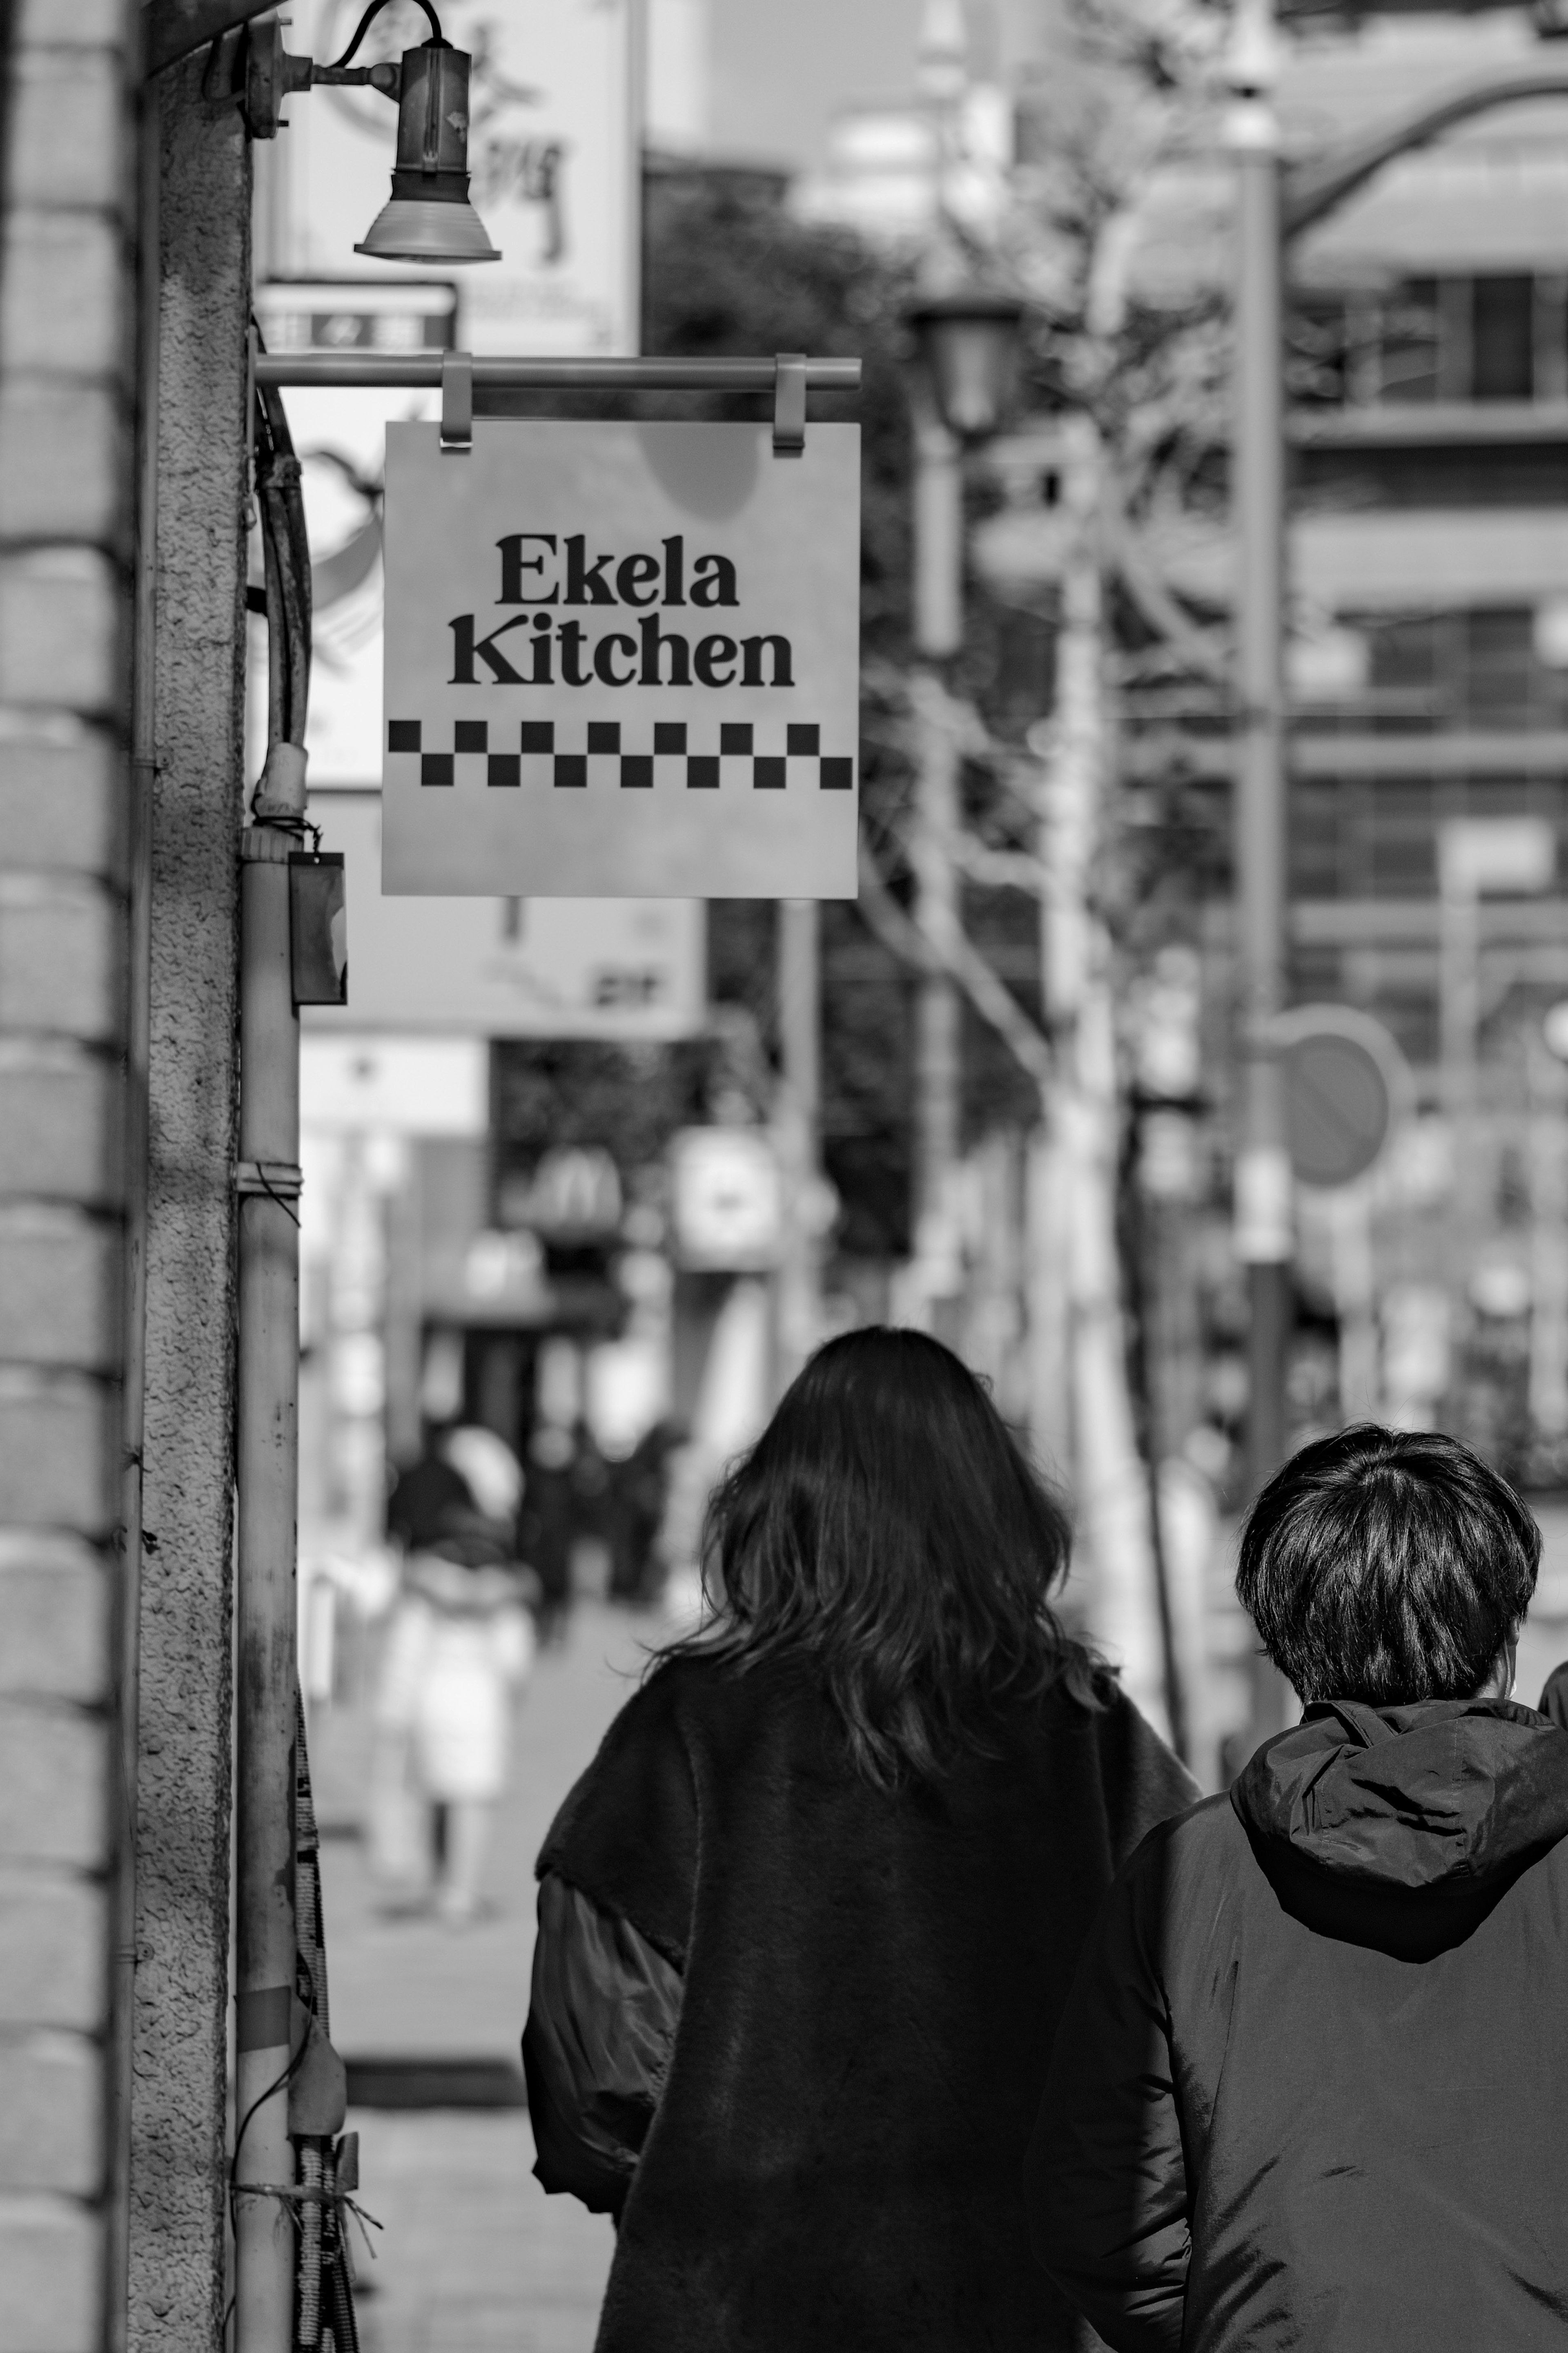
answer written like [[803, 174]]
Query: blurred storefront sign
[[726, 1199], [622, 661], [609, 969], [554, 149], [575, 1197], [404, 1086], [340, 436]]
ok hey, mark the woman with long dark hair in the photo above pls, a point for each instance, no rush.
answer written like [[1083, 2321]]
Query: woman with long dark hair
[[808, 1920]]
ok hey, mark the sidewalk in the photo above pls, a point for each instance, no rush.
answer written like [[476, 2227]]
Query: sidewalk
[[472, 2255]]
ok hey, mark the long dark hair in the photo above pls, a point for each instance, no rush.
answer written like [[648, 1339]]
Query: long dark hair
[[887, 1528]]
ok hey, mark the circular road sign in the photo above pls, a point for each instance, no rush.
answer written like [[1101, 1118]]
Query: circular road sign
[[1346, 1083]]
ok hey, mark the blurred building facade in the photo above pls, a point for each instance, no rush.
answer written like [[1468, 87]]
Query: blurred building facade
[[1427, 383]]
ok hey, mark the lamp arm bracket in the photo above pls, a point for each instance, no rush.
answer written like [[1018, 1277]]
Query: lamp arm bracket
[[273, 74], [386, 77]]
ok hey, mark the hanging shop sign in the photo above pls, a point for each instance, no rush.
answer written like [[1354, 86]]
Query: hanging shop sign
[[616, 969], [622, 659]]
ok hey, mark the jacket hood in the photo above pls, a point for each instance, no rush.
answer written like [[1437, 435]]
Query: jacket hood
[[1449, 1793]]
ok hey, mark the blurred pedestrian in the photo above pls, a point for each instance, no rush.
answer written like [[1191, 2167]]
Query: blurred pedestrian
[[1307, 2091], [460, 1644], [806, 1922], [639, 1487]]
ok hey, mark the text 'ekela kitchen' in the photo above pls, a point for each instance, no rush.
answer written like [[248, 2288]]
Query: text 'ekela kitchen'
[[536, 569]]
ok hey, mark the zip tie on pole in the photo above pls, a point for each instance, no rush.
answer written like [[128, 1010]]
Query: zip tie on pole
[[279, 1180], [273, 1180], [315, 2194]]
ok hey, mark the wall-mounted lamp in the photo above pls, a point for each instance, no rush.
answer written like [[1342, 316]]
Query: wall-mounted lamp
[[428, 217]]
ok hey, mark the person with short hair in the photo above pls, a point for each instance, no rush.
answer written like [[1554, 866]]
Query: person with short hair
[[1308, 2088], [806, 1922]]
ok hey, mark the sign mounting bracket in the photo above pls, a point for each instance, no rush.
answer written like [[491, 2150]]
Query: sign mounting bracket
[[789, 405], [458, 403]]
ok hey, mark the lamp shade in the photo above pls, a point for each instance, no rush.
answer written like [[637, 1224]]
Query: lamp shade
[[968, 341], [430, 217], [416, 228]]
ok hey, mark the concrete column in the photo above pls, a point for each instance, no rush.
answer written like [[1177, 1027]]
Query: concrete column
[[66, 313], [178, 2150]]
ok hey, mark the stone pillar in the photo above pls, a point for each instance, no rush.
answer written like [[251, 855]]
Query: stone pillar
[[179, 2155]]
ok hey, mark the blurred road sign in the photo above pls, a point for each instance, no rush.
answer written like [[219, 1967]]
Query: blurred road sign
[[408, 1086], [611, 968], [553, 148], [1345, 1084], [728, 1204], [622, 661]]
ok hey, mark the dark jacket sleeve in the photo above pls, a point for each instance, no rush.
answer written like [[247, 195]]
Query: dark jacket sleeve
[[627, 1834], [1145, 1783], [1105, 2182], [601, 2024], [1555, 1697]]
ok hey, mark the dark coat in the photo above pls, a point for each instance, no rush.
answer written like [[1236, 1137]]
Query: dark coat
[[1309, 2087], [869, 1988]]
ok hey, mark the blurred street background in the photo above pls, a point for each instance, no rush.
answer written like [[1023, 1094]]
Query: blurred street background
[[585, 1182], [1192, 1058]]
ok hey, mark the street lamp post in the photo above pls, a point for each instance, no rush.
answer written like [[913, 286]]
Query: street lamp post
[[1263, 1204], [967, 341]]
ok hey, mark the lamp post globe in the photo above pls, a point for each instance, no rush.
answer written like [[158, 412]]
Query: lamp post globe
[[968, 342]]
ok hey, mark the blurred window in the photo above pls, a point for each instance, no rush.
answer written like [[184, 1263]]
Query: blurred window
[[1408, 343], [1494, 337], [1502, 339]]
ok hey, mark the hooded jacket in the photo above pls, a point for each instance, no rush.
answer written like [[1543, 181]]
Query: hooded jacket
[[1309, 2088], [824, 2091]]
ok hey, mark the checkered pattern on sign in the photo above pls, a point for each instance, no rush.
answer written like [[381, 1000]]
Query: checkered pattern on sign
[[497, 751]]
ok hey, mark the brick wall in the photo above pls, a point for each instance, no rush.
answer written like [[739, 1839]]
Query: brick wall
[[66, 355]]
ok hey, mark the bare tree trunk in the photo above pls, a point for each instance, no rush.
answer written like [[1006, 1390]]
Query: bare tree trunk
[[1077, 1165]]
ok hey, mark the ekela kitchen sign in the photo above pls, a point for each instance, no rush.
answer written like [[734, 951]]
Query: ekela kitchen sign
[[622, 659]]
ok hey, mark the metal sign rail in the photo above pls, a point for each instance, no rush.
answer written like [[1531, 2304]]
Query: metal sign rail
[[479, 384]]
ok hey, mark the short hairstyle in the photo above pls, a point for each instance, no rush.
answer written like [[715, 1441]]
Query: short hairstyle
[[1387, 1566], [887, 1530]]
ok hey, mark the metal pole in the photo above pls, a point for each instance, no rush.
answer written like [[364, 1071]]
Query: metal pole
[[269, 1480], [1263, 1202], [800, 1028], [938, 635], [396, 369]]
